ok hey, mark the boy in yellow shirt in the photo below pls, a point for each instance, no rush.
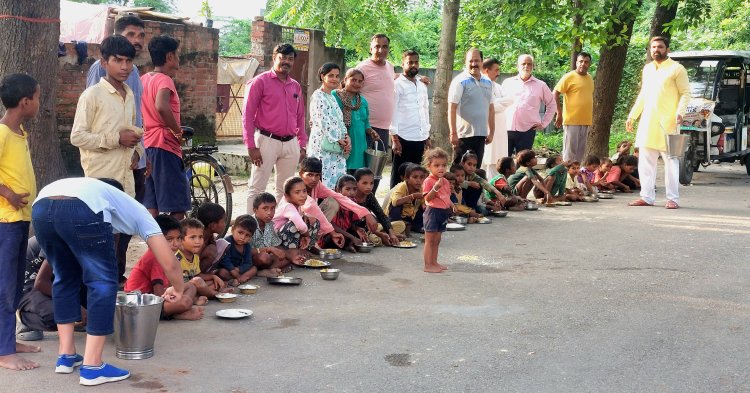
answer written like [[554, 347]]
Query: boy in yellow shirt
[[20, 96], [188, 255]]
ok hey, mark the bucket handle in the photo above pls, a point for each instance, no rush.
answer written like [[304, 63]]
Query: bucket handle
[[375, 144]]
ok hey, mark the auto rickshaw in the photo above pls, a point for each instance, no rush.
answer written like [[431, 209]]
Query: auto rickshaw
[[718, 115]]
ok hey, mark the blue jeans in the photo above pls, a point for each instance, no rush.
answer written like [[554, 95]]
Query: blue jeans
[[14, 237], [80, 247]]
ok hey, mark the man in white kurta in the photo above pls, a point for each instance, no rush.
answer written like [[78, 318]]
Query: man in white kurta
[[661, 103], [499, 146]]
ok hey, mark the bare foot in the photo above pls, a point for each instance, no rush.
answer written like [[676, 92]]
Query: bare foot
[[16, 362], [233, 282], [433, 269], [194, 314], [25, 348], [201, 301], [443, 267], [272, 272]]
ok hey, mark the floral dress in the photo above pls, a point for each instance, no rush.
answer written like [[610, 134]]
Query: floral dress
[[327, 125]]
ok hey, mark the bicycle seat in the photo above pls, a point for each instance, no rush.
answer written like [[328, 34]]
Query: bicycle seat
[[187, 132]]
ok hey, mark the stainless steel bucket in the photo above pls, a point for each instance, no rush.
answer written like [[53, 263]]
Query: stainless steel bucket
[[677, 145], [375, 159], [136, 319]]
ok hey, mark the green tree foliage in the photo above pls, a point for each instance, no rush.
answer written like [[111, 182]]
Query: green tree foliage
[[234, 37], [349, 24]]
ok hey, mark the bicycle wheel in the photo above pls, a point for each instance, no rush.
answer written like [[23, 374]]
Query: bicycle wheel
[[209, 182]]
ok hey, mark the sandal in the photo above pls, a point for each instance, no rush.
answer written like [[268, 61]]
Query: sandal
[[640, 202]]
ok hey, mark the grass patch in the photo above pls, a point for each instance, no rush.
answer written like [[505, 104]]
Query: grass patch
[[553, 141]]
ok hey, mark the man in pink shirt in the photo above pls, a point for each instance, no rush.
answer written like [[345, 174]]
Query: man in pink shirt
[[378, 88], [273, 124], [528, 94]]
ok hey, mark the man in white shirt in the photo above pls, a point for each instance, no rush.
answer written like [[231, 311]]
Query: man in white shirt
[[410, 127], [499, 146], [470, 109]]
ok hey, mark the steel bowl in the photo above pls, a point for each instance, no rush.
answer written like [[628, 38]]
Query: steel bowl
[[532, 206], [226, 297], [248, 289], [499, 213], [330, 253], [461, 220], [605, 196], [365, 247], [329, 274], [284, 280]]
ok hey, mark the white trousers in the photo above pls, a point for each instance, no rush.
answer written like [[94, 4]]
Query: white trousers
[[647, 161], [282, 155]]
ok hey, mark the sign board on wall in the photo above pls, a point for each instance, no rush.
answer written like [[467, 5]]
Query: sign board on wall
[[302, 40]]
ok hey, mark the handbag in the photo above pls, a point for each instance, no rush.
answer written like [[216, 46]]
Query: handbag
[[331, 147]]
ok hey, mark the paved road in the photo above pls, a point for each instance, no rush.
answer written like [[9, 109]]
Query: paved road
[[591, 298]]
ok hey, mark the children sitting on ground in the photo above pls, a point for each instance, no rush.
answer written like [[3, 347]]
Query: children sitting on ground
[[629, 172], [310, 173], [608, 177], [474, 184], [554, 179], [213, 217], [574, 191], [588, 174], [148, 276], [266, 241], [296, 229], [387, 232], [407, 201], [456, 178], [344, 222], [505, 168], [437, 195], [208, 284], [236, 267], [401, 176], [526, 177]]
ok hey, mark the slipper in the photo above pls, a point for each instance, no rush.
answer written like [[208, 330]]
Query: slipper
[[672, 205], [639, 202]]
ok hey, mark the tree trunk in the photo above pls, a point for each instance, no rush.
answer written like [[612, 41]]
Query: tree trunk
[[608, 78], [30, 46], [665, 12], [439, 132], [577, 46]]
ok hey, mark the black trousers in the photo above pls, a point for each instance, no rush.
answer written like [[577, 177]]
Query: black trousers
[[520, 140], [473, 143], [384, 135], [411, 151]]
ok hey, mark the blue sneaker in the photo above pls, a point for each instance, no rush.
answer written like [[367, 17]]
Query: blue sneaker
[[66, 363], [97, 375]]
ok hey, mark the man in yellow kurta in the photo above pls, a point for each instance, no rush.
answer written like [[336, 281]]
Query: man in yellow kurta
[[661, 103]]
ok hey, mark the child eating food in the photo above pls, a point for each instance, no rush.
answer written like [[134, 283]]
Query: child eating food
[[387, 232], [407, 202]]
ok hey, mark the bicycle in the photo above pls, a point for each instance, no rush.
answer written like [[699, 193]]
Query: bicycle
[[207, 178]]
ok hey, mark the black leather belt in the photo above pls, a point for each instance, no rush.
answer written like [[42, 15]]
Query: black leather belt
[[273, 136]]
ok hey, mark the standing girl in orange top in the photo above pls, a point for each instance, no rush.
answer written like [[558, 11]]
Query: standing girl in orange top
[[437, 196]]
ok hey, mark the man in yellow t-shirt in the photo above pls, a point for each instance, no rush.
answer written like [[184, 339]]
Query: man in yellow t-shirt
[[574, 113], [664, 95], [20, 96]]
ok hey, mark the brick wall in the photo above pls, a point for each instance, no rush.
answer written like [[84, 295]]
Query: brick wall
[[195, 82]]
